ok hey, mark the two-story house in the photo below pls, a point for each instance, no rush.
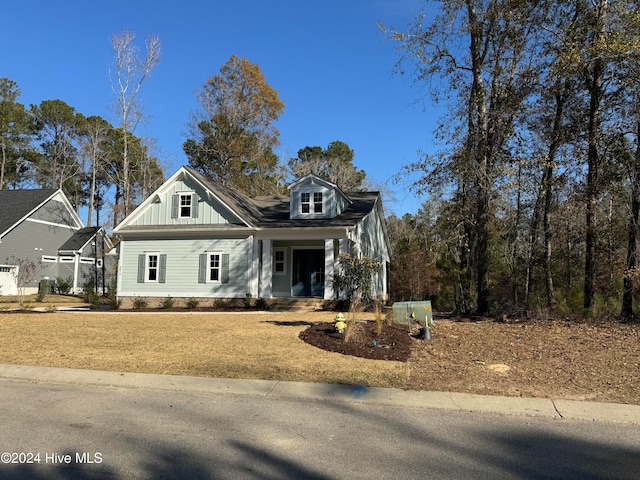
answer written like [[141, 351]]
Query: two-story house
[[195, 238], [40, 230]]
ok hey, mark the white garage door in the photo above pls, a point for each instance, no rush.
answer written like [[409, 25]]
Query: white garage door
[[8, 276]]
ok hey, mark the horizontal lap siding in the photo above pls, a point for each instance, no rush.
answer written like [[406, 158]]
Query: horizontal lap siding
[[30, 241], [182, 267]]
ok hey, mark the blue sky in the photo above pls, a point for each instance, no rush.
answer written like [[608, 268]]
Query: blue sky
[[327, 60]]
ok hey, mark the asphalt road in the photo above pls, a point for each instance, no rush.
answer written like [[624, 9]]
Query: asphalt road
[[71, 431]]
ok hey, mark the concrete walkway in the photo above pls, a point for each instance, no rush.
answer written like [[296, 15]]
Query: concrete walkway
[[541, 407]]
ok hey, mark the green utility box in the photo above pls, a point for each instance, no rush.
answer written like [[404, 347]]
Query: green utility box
[[407, 312]]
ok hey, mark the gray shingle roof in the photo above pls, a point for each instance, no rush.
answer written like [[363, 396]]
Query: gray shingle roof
[[79, 239], [16, 204], [273, 211]]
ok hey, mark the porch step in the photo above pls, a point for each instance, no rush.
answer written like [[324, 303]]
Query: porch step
[[301, 304]]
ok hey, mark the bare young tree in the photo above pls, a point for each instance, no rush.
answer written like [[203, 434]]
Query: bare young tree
[[129, 73]]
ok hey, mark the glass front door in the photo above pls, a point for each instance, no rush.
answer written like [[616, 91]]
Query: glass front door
[[307, 278]]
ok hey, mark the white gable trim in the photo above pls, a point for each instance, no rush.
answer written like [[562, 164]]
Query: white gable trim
[[161, 192], [312, 178], [57, 195]]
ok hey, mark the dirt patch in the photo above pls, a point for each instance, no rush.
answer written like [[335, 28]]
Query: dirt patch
[[392, 343], [554, 359]]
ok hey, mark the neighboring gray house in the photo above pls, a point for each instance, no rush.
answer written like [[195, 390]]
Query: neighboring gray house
[[42, 227], [194, 238]]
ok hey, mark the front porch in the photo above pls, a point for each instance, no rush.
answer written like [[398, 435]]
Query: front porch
[[296, 268]]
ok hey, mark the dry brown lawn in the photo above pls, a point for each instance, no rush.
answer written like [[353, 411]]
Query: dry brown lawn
[[232, 345], [555, 359]]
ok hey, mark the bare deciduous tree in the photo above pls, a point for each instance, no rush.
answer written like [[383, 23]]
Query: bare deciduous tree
[[129, 73]]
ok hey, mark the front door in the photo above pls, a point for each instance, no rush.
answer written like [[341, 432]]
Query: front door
[[307, 279]]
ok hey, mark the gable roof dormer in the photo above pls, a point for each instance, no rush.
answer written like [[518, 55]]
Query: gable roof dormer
[[315, 197]]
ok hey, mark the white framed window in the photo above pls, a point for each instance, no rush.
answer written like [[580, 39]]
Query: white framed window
[[317, 202], [49, 259], [99, 263], [309, 204], [67, 259], [280, 261], [152, 267], [305, 202], [214, 268], [87, 260], [186, 205], [214, 265]]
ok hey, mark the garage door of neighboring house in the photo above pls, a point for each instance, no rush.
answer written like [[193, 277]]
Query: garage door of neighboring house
[[8, 280]]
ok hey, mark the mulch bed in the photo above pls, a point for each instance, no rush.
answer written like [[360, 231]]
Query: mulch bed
[[393, 343]]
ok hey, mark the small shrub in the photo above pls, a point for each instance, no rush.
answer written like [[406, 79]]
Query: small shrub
[[192, 303], [249, 302], [140, 303], [64, 285], [219, 304], [168, 302], [42, 292], [114, 303], [91, 296], [262, 304]]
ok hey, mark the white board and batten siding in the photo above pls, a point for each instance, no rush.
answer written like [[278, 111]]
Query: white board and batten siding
[[181, 264]]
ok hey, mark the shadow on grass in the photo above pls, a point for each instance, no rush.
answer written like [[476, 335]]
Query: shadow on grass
[[292, 323]]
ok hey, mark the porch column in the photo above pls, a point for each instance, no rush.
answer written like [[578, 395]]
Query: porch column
[[254, 267], [343, 247], [267, 269], [329, 264], [76, 273]]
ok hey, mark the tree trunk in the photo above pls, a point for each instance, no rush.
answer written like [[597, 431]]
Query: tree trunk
[[3, 165], [482, 256], [596, 93], [632, 236]]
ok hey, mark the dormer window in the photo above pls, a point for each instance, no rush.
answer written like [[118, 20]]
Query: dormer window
[[317, 202], [185, 206], [306, 206], [313, 197], [305, 202]]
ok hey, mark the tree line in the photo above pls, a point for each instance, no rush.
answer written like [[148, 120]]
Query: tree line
[[51, 145], [98, 164], [534, 192]]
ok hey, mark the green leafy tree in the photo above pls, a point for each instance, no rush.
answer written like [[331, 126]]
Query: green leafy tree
[[334, 163], [145, 173], [16, 130], [58, 164], [94, 148], [234, 134], [356, 276], [481, 53]]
